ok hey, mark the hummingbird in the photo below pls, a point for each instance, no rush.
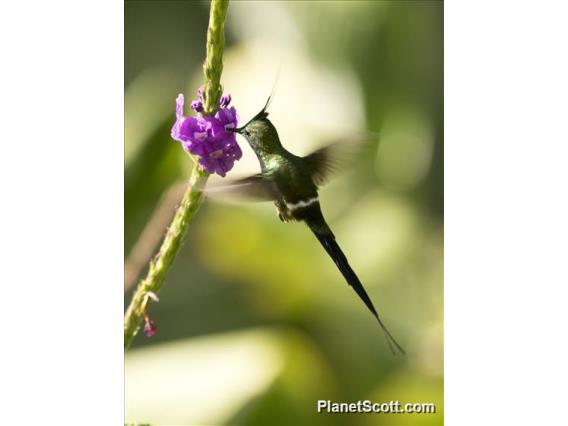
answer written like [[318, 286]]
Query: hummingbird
[[291, 183]]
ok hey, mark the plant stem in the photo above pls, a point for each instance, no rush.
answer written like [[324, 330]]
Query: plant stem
[[213, 66], [192, 199]]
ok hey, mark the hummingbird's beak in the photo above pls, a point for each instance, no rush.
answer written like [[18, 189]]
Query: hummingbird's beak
[[235, 130]]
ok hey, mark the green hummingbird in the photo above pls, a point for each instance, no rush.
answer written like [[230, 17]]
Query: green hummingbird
[[292, 182]]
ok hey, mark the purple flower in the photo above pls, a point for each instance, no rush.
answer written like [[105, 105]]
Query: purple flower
[[208, 137], [227, 117], [179, 117]]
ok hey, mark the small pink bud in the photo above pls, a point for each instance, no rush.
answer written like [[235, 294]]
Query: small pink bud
[[197, 106], [225, 100], [149, 327]]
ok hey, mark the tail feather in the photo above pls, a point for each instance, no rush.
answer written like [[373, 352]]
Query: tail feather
[[327, 240]]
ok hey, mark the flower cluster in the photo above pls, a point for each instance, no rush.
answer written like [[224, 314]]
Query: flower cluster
[[207, 136]]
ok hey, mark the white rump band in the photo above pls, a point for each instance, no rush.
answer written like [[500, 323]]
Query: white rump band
[[302, 203]]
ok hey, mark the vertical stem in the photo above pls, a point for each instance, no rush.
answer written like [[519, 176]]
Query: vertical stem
[[213, 66], [192, 199]]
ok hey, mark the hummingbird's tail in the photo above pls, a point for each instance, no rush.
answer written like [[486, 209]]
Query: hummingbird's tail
[[326, 238]]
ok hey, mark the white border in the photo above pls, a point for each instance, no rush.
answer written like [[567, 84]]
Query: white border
[[61, 171], [61, 249], [506, 212]]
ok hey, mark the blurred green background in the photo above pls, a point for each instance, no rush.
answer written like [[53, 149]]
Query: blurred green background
[[255, 323]]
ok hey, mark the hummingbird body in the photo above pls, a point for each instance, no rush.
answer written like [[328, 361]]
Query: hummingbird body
[[291, 182], [296, 193], [289, 177]]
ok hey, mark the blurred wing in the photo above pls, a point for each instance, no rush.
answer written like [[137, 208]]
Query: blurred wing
[[251, 188], [321, 163], [329, 159]]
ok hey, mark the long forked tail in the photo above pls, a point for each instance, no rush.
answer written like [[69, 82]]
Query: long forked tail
[[327, 240]]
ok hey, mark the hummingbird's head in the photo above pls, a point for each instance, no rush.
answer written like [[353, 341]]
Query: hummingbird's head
[[260, 133]]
